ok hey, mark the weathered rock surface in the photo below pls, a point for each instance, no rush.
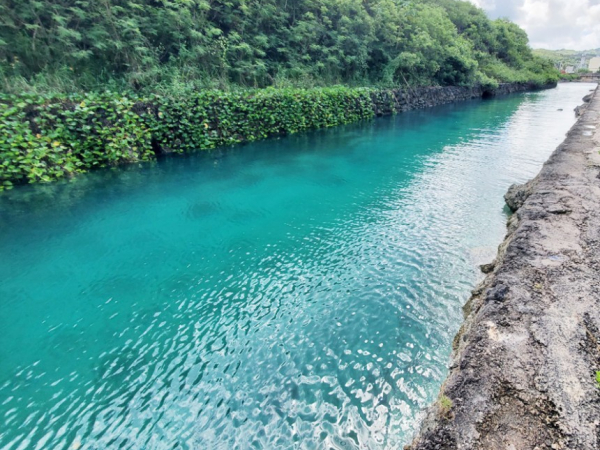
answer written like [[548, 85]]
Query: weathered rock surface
[[579, 110], [523, 369], [517, 194]]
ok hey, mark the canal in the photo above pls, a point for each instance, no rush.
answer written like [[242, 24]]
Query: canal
[[295, 293]]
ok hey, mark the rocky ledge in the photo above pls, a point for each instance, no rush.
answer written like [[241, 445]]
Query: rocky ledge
[[523, 371]]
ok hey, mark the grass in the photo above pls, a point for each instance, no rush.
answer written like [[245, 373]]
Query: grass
[[446, 403]]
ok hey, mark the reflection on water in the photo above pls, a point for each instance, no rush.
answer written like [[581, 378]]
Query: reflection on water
[[294, 293]]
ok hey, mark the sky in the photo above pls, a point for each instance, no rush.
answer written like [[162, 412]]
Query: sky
[[551, 24]]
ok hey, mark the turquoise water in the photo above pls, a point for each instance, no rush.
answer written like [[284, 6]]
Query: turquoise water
[[297, 293]]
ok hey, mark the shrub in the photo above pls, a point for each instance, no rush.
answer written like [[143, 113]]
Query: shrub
[[43, 138]]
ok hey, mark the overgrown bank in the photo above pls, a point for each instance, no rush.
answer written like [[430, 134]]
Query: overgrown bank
[[195, 72], [43, 138], [525, 363]]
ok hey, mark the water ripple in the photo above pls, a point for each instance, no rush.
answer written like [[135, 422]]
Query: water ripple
[[299, 293]]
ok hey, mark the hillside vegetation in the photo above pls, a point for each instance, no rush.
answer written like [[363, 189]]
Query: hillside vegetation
[[161, 45], [567, 57], [96, 83]]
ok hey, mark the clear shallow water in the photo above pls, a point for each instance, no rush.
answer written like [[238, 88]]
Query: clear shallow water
[[299, 293]]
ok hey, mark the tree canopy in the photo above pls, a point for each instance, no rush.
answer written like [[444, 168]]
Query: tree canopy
[[143, 44]]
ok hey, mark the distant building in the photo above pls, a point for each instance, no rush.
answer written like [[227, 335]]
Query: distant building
[[594, 65], [570, 69]]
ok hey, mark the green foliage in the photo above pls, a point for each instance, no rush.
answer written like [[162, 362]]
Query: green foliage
[[486, 82], [43, 138], [598, 379], [569, 76], [207, 119], [192, 69], [537, 72], [150, 45]]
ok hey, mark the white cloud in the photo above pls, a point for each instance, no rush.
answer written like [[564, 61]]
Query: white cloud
[[552, 24]]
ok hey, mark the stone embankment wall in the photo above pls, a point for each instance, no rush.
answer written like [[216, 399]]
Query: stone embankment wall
[[44, 138], [523, 371], [398, 100]]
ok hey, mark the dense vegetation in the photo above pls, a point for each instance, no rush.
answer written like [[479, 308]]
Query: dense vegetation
[[93, 83], [46, 137], [160, 45], [43, 138]]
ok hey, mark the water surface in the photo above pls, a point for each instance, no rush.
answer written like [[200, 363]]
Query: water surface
[[297, 293]]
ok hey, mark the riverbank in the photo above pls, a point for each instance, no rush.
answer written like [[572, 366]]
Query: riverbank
[[47, 138], [523, 371]]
